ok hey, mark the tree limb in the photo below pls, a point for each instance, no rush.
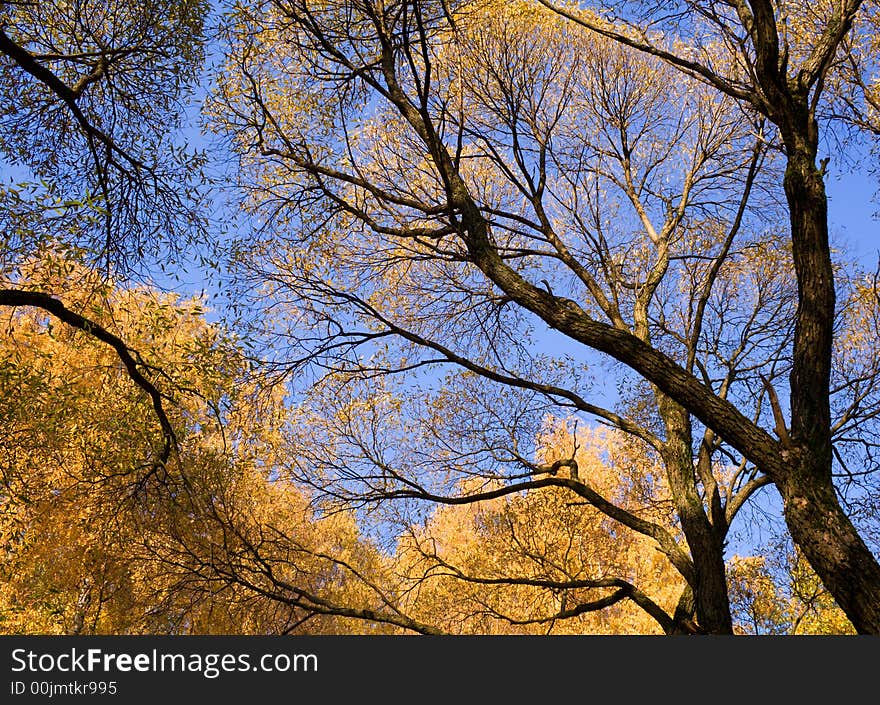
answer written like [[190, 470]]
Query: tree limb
[[18, 297]]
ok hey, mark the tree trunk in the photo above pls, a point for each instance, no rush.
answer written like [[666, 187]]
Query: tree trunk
[[817, 522], [706, 542], [831, 544]]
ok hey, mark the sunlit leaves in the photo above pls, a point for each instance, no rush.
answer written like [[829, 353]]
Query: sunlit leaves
[[95, 538]]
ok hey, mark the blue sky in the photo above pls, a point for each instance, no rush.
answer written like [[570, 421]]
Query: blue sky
[[853, 213]]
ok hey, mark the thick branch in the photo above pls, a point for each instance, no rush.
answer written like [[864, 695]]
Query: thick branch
[[691, 68], [569, 318], [510, 380], [27, 62], [17, 297], [664, 539], [625, 590]]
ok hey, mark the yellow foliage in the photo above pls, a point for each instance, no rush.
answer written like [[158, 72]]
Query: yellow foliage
[[94, 539], [502, 566], [791, 602]]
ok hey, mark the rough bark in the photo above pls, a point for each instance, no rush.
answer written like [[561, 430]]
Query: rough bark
[[831, 544], [800, 464], [818, 524], [711, 603]]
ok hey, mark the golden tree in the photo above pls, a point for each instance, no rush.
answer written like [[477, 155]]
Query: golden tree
[[107, 529], [442, 185]]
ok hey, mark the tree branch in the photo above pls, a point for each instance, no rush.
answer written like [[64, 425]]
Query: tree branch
[[18, 297]]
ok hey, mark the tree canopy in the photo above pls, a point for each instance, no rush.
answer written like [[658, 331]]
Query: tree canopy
[[535, 318]]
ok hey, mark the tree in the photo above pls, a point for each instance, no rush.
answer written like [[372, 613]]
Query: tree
[[472, 215], [540, 563], [92, 95], [439, 183], [96, 539], [778, 60]]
